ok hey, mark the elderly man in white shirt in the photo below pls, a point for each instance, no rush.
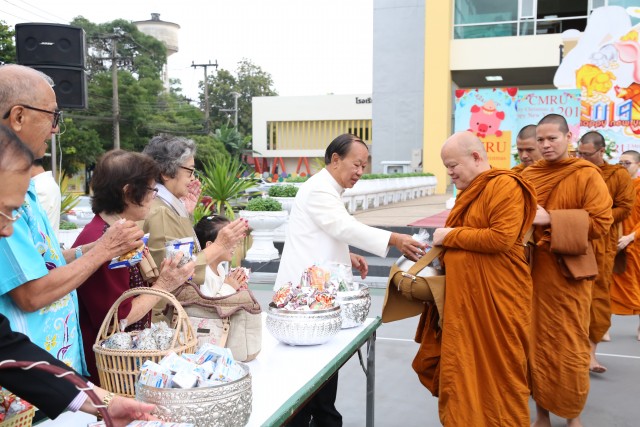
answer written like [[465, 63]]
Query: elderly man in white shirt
[[320, 232]]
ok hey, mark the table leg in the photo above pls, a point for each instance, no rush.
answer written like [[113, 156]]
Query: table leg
[[370, 372]]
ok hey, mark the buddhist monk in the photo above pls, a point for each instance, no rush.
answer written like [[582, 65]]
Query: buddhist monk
[[528, 152], [482, 378], [625, 289], [592, 149], [574, 209]]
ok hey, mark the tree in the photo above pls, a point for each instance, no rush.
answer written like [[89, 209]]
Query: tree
[[232, 140], [249, 81], [79, 145], [7, 47]]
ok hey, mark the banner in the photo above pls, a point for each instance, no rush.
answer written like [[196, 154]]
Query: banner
[[497, 115]]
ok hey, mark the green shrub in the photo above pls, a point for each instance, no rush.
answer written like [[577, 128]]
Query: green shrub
[[264, 204], [296, 179], [283, 190], [66, 225]]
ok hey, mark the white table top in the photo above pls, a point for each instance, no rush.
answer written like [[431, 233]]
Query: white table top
[[281, 374]]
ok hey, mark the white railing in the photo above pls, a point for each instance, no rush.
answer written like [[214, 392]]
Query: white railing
[[371, 193]]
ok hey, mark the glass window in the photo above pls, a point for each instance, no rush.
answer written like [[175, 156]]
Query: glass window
[[480, 11], [480, 31]]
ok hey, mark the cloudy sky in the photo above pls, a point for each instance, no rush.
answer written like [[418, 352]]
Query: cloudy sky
[[310, 47]]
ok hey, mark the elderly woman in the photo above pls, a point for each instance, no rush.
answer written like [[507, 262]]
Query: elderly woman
[[169, 218], [123, 189]]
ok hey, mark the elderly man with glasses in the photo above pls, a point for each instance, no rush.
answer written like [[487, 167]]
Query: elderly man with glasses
[[625, 289], [37, 292], [591, 148]]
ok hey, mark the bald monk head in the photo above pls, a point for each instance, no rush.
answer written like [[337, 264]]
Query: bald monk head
[[630, 159], [553, 137], [528, 152], [465, 158]]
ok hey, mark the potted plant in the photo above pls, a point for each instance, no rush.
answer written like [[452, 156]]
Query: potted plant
[[285, 194], [221, 182], [264, 215]]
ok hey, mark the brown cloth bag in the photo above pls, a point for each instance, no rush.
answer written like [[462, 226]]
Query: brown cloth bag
[[570, 241], [620, 261], [233, 321], [407, 291]]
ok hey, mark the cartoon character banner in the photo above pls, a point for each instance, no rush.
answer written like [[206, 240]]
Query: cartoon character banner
[[491, 115], [497, 115], [605, 66]]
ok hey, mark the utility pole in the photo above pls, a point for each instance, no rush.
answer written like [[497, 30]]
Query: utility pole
[[235, 95], [115, 104], [206, 91]]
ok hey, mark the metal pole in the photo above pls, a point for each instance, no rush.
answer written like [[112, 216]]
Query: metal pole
[[236, 95], [115, 105], [206, 101]]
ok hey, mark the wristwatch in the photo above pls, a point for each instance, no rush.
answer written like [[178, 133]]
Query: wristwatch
[[106, 401], [78, 251]]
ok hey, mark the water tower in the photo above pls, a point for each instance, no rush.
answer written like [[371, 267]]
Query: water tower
[[166, 32]]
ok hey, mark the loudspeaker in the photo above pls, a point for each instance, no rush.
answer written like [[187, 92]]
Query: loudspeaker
[[50, 44], [70, 85]]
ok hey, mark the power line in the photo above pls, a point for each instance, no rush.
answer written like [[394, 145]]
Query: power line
[[15, 16], [28, 11], [49, 13]]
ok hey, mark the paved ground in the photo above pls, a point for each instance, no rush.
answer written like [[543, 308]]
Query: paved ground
[[402, 401]]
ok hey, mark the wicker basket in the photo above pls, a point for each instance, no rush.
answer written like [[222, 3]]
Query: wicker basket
[[118, 369], [23, 419]]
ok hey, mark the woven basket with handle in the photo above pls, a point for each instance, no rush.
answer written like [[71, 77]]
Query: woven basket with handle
[[118, 369]]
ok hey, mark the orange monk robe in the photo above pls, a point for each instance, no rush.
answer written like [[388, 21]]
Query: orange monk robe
[[483, 363], [560, 349], [625, 289], [622, 193], [518, 168]]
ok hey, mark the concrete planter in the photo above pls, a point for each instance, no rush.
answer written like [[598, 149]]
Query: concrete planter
[[263, 224], [280, 233]]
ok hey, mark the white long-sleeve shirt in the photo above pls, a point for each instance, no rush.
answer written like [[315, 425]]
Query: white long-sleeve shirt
[[321, 230]]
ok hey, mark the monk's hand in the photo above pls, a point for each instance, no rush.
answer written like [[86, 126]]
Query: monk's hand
[[359, 263], [624, 241], [542, 217], [122, 237], [439, 234], [408, 246]]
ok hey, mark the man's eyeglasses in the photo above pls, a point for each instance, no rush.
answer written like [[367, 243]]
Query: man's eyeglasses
[[192, 171], [626, 164], [57, 114], [582, 154], [154, 191], [15, 215]]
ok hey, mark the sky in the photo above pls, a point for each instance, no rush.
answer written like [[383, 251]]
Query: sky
[[310, 47]]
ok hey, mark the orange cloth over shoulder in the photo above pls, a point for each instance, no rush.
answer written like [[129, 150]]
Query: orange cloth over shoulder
[[559, 356], [622, 193], [625, 289], [477, 363]]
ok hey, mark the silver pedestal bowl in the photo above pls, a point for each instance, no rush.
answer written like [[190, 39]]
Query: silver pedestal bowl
[[309, 327]]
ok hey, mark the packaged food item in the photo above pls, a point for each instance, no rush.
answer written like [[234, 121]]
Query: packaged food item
[[300, 297], [119, 341], [246, 272], [184, 379], [184, 245], [154, 375], [132, 257], [175, 363]]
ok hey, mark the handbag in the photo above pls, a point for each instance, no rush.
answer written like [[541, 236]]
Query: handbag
[[233, 321], [411, 285]]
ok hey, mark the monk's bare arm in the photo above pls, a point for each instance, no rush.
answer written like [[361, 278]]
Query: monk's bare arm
[[501, 225]]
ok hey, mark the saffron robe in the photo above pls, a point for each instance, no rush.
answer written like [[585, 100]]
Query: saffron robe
[[559, 355], [518, 168], [481, 377], [625, 289], [622, 193]]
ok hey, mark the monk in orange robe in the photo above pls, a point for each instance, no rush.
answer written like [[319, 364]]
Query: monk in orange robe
[[625, 289], [592, 149], [574, 209], [481, 377], [528, 152]]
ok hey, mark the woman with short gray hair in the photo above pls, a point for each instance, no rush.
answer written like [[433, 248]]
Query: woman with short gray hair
[[169, 217]]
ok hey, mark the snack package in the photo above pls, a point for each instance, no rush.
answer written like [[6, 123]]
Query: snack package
[[299, 297], [154, 375], [184, 379], [175, 363], [245, 273], [184, 245], [132, 257]]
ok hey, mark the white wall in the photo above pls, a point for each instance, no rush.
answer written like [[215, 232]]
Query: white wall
[[301, 108]]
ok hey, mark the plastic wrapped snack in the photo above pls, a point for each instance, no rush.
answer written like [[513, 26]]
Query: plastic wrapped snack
[[163, 335], [184, 245], [132, 257], [119, 341], [154, 375], [282, 295], [299, 297]]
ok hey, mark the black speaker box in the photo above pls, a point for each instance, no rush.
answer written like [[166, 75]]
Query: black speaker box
[[70, 85], [50, 44]]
